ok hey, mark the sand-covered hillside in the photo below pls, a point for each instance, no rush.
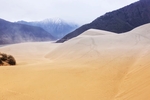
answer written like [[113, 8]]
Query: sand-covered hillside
[[97, 65]]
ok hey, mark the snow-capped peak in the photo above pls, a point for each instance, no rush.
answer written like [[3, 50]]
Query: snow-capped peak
[[54, 20]]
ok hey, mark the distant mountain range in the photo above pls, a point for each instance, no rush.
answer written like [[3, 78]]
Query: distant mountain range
[[118, 21], [57, 27], [16, 33]]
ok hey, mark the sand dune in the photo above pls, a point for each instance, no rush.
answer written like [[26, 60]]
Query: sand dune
[[96, 65], [95, 32]]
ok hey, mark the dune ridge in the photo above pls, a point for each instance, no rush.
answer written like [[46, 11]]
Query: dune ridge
[[103, 66]]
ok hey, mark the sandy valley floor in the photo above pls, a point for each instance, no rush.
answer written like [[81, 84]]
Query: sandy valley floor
[[96, 65]]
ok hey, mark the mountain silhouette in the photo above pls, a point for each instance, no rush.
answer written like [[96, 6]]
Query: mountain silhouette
[[57, 27], [16, 33], [118, 21]]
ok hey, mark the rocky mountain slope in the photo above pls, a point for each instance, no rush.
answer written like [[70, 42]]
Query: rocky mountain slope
[[16, 33], [57, 27], [118, 21]]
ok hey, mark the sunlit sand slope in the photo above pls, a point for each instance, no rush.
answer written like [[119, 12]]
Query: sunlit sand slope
[[96, 65]]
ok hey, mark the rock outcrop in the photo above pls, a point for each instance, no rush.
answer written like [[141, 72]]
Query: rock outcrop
[[7, 60]]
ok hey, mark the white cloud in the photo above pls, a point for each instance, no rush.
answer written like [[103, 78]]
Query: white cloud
[[81, 11]]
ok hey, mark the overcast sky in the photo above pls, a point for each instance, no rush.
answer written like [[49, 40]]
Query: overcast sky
[[79, 11]]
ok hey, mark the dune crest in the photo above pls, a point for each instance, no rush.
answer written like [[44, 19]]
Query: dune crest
[[95, 32], [88, 67]]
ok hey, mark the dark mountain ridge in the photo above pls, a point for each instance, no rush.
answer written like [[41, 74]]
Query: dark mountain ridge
[[118, 21]]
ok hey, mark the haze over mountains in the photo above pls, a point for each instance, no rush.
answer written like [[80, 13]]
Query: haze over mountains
[[16, 33], [118, 21], [46, 30], [57, 27]]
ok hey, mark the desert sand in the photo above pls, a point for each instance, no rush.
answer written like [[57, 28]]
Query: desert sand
[[96, 65]]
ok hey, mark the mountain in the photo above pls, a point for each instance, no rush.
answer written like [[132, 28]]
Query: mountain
[[16, 33], [118, 21], [57, 27]]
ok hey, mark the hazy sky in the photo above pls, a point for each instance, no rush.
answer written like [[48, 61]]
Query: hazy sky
[[79, 11]]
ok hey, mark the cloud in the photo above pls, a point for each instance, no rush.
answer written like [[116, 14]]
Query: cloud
[[81, 11]]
